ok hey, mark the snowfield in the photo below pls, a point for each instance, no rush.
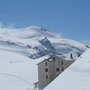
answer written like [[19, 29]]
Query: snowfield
[[17, 72], [76, 77]]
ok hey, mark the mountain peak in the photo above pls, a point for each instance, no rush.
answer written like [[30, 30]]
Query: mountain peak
[[37, 28]]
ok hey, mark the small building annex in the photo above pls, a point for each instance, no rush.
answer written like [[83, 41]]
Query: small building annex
[[50, 68]]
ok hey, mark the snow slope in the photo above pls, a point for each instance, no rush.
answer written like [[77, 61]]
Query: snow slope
[[17, 72], [76, 77], [35, 42]]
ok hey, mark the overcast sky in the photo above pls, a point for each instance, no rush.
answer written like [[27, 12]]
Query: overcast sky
[[69, 17]]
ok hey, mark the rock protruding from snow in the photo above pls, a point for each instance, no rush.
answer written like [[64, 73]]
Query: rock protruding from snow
[[47, 44]]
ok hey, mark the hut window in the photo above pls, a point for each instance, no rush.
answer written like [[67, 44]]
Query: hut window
[[62, 63], [57, 69], [54, 58], [46, 63], [62, 69], [57, 75], [46, 76], [46, 69]]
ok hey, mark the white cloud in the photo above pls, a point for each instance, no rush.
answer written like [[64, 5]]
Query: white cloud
[[86, 42], [10, 26], [1, 25], [59, 35]]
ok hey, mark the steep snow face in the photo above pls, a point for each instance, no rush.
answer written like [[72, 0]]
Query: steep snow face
[[36, 41], [76, 77]]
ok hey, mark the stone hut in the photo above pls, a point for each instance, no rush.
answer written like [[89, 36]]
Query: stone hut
[[50, 68]]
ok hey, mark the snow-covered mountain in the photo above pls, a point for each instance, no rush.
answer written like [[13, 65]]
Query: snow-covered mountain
[[22, 49], [36, 41], [76, 77]]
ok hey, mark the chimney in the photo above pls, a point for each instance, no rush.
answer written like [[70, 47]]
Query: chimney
[[71, 56], [79, 55]]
